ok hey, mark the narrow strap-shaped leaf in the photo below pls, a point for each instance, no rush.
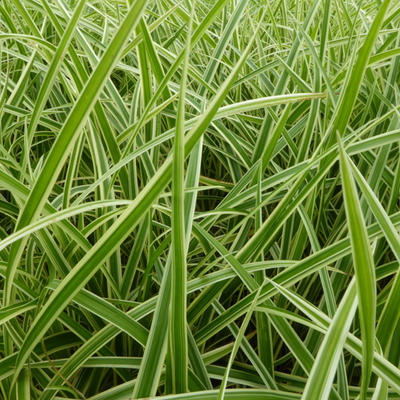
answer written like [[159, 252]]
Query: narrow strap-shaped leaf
[[350, 91], [319, 383], [363, 266], [391, 312], [177, 326]]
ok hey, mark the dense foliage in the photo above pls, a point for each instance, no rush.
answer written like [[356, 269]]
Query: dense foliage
[[199, 200]]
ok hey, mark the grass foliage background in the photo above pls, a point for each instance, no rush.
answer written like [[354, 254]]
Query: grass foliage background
[[199, 200]]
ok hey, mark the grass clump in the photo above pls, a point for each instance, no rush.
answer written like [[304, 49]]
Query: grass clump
[[199, 200]]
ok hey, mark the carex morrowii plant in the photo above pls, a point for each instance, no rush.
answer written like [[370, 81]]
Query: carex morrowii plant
[[199, 200]]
